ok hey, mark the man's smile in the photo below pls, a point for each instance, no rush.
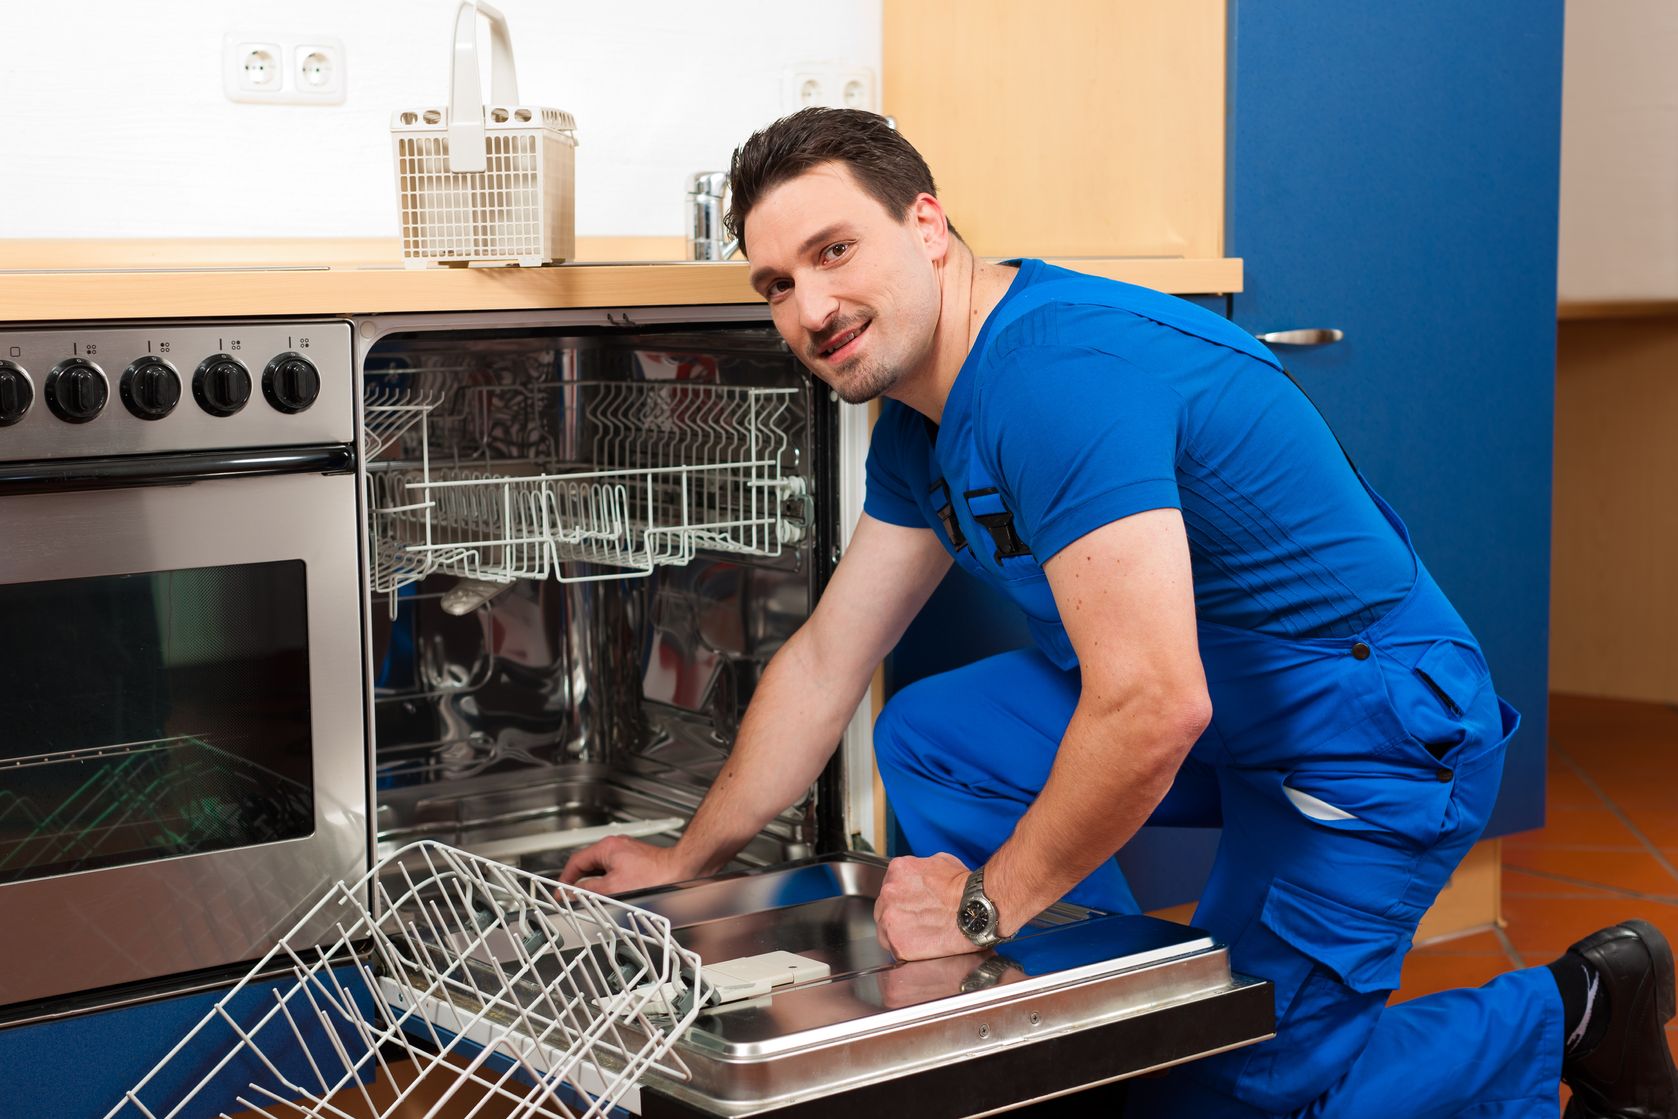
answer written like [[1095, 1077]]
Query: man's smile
[[843, 343]]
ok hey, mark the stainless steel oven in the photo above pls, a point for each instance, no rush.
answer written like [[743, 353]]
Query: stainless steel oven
[[182, 746]]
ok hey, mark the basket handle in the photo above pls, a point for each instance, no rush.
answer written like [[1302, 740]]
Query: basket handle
[[466, 108]]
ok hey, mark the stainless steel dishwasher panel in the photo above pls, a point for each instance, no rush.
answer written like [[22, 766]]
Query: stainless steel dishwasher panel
[[1077, 999]]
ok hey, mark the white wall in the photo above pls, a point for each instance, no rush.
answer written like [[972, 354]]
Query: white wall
[[113, 122], [1619, 155]]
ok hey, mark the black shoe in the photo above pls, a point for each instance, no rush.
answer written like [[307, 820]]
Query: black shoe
[[1629, 1073]]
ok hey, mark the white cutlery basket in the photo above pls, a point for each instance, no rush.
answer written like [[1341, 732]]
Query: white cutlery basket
[[485, 184]]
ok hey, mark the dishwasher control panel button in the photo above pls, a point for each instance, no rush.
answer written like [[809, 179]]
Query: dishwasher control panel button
[[16, 393], [291, 382], [77, 391], [150, 388], [222, 385]]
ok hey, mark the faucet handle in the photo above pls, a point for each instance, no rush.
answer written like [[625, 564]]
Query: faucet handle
[[710, 183]]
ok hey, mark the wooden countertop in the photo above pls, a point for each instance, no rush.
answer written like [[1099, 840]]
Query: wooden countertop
[[47, 281]]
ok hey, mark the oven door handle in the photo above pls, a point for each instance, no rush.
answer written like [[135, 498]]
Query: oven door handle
[[129, 471]]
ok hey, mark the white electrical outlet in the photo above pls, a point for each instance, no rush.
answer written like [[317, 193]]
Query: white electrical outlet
[[256, 66], [283, 69], [319, 69], [832, 85]]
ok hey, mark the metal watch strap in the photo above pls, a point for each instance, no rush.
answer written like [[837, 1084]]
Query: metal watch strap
[[988, 974], [973, 897]]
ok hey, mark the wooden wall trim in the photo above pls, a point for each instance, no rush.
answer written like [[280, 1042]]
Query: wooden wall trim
[[1572, 310]]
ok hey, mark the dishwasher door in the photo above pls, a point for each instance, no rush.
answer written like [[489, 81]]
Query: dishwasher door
[[1079, 998], [460, 987]]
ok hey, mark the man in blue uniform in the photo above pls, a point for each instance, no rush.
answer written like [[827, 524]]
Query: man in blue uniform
[[1231, 628]]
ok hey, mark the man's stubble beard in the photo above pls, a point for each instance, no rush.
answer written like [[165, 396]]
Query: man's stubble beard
[[865, 382]]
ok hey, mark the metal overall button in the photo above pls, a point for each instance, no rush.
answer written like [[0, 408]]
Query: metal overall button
[[1360, 651]]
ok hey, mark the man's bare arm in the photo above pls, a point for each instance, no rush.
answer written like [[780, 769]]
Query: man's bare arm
[[1126, 596], [798, 712]]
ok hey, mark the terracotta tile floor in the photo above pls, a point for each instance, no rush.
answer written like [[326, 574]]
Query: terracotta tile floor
[[1608, 850]]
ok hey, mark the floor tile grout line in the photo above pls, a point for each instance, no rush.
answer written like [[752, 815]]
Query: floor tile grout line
[[1591, 784], [1587, 848], [1559, 895], [1508, 947], [1623, 891]]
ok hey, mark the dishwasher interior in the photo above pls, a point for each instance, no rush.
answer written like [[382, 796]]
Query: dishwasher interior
[[585, 543]]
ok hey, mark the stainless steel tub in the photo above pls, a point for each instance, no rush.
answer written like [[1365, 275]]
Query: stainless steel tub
[[552, 807]]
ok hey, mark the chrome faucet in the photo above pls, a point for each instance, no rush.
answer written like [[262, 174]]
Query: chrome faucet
[[707, 203]]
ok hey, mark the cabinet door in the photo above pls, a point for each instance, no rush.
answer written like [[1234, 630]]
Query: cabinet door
[[1393, 173]]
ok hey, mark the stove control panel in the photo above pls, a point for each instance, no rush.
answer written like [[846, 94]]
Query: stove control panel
[[81, 392]]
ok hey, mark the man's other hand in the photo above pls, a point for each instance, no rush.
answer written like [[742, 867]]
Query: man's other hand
[[915, 914], [618, 864]]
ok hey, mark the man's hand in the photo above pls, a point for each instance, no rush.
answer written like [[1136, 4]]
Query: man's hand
[[915, 914], [618, 864]]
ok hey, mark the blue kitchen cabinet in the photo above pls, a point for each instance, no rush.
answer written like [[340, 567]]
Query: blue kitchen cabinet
[[1392, 173]]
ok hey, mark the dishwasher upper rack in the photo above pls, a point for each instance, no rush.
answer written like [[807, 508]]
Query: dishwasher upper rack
[[453, 982], [670, 468]]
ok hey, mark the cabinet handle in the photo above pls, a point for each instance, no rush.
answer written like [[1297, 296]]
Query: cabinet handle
[[1315, 336]]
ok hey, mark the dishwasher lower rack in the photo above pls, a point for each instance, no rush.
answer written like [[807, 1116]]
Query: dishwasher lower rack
[[455, 986]]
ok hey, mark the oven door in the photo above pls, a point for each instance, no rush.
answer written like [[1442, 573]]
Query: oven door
[[182, 746]]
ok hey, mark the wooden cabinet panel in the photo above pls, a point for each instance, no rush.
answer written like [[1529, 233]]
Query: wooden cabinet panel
[[1614, 603], [1066, 127]]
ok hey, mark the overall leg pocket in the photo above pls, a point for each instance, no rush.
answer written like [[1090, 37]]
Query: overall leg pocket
[[1441, 697], [1333, 966]]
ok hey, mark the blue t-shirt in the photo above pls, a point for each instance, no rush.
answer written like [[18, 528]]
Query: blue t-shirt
[[1085, 400]]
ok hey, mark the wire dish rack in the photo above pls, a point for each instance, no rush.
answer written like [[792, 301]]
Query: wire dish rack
[[454, 985], [667, 469]]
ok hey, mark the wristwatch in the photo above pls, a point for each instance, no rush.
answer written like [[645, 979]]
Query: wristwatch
[[977, 917], [988, 974]]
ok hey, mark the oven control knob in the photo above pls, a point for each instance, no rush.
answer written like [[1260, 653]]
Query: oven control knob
[[222, 385], [150, 388], [16, 393], [291, 382], [76, 391]]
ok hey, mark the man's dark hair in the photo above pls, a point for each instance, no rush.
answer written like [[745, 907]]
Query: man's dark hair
[[885, 164]]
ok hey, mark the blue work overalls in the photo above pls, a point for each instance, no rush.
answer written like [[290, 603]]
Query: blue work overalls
[[1350, 776]]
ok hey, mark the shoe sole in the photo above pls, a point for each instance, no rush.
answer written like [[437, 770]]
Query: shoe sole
[[1661, 954]]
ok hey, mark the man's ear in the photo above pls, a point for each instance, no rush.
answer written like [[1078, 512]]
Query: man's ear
[[932, 226]]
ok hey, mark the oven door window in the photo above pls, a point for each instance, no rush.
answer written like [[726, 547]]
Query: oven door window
[[151, 716]]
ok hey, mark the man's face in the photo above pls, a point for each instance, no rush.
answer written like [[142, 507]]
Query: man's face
[[853, 290]]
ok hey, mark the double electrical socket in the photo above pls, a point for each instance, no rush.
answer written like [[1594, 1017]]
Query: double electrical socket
[[832, 85], [283, 69]]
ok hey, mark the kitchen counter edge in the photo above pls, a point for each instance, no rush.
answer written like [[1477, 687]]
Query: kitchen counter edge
[[222, 289]]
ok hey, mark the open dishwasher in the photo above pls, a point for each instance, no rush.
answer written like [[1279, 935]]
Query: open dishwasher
[[584, 537]]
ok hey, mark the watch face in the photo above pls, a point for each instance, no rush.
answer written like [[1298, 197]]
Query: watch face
[[974, 918]]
